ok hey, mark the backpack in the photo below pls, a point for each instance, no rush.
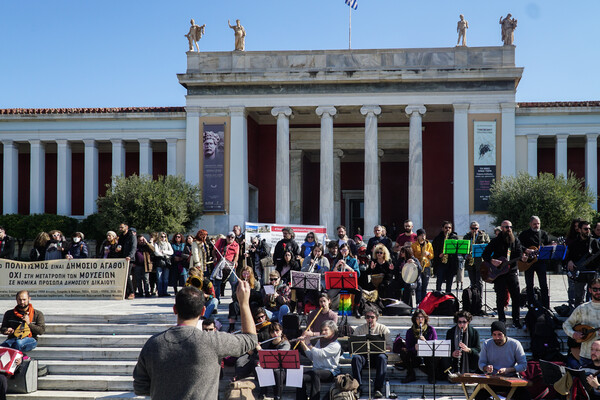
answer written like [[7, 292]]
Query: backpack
[[545, 343], [537, 296], [438, 303], [399, 344], [538, 389], [344, 388], [397, 308], [471, 300]]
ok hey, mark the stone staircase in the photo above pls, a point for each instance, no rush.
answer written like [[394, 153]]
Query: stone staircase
[[93, 356]]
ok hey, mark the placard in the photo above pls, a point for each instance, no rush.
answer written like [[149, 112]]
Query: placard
[[484, 162], [88, 278]]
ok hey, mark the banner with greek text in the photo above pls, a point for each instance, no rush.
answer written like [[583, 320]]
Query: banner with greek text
[[272, 232], [88, 278]]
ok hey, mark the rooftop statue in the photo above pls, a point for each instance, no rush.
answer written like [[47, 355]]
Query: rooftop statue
[[461, 28], [240, 35], [194, 35], [508, 29]]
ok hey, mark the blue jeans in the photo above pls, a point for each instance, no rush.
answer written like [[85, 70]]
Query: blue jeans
[[217, 284], [278, 314], [422, 287], [378, 362], [162, 277], [24, 345], [210, 306]]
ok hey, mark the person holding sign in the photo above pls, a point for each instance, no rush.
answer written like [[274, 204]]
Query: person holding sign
[[22, 324]]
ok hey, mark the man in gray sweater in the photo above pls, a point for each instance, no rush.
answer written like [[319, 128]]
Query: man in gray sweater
[[184, 362], [502, 356]]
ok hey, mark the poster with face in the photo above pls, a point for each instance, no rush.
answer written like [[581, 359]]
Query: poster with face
[[213, 148]]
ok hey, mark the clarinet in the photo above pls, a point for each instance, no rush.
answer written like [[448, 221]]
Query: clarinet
[[462, 336]]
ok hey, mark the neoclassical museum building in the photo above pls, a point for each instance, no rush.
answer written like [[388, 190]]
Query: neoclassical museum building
[[357, 137]]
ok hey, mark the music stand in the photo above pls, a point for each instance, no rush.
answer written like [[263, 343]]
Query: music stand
[[306, 280], [341, 280], [433, 349], [478, 253], [280, 360], [560, 252], [457, 246], [367, 345]]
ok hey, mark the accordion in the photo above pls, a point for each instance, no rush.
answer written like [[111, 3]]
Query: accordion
[[8, 357]]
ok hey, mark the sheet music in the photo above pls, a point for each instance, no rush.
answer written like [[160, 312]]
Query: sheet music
[[265, 377], [269, 289], [294, 377], [425, 348]]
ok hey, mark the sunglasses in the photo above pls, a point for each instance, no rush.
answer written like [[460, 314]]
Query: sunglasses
[[261, 316], [507, 227], [369, 317], [596, 289], [273, 279], [585, 229], [379, 252], [462, 322], [474, 228], [310, 237]]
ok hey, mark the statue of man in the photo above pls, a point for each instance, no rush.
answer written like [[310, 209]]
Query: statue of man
[[508, 29], [461, 28], [240, 35], [194, 35]]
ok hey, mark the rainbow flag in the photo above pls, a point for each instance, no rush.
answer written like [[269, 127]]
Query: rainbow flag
[[345, 307]]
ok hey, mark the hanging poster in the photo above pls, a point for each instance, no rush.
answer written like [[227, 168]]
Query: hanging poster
[[272, 233], [213, 145], [484, 162]]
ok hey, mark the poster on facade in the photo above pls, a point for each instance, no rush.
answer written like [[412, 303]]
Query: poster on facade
[[213, 145], [88, 278], [484, 162], [272, 232]]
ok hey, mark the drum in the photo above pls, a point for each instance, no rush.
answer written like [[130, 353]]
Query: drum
[[410, 272]]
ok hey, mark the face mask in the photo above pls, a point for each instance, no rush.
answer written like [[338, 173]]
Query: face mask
[[76, 240]]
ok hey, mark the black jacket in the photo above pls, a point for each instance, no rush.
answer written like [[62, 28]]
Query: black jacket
[[7, 247], [128, 245], [438, 248], [282, 246], [499, 248], [472, 343], [529, 238]]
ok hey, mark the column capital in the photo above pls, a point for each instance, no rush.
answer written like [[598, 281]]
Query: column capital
[[461, 107], [143, 141], [8, 142], [592, 135], [329, 110], [562, 137], [117, 142], [508, 107], [412, 108], [338, 153], [532, 136], [36, 142], [380, 152], [281, 112], [238, 111], [62, 142], [370, 109], [171, 140], [90, 143]]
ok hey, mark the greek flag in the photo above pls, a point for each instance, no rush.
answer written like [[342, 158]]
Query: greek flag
[[352, 3]]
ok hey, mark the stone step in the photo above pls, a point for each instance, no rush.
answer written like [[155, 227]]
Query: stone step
[[85, 382], [83, 353], [75, 395], [89, 367], [54, 340], [105, 329]]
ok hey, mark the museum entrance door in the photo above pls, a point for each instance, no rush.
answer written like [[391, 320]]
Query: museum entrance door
[[354, 210]]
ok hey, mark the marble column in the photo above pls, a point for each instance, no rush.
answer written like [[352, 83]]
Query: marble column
[[172, 156], [145, 157], [415, 163], [37, 181], [372, 204], [508, 164], [118, 157], [90, 186], [532, 151], [326, 217], [461, 188], [238, 170], [561, 155], [337, 187], [63, 177], [10, 177], [591, 165], [192, 144], [282, 170], [296, 186]]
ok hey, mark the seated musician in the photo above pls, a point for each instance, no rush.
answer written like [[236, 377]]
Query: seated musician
[[593, 367], [586, 314], [316, 263], [465, 345], [346, 262], [255, 297], [4, 379], [325, 356], [246, 364], [381, 265], [502, 356], [278, 342], [22, 316], [378, 361], [278, 303], [420, 330], [317, 318]]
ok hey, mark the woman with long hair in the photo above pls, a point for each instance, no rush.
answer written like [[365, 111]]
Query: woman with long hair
[[317, 263], [162, 259], [381, 268], [287, 265], [179, 270], [310, 240], [420, 330], [108, 248], [279, 342], [255, 297], [56, 247], [38, 252], [202, 253]]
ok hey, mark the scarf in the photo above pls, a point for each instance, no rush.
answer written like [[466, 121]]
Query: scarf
[[22, 316], [416, 331], [324, 342], [464, 359]]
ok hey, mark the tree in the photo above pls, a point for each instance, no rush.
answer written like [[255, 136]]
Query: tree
[[167, 204], [556, 200]]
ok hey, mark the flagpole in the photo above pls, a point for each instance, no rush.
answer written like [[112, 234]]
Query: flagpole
[[349, 28]]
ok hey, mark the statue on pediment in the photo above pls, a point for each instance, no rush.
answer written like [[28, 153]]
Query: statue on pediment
[[461, 28], [196, 32], [240, 35], [508, 29]]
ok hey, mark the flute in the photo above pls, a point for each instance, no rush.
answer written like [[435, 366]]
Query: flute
[[311, 338], [257, 324]]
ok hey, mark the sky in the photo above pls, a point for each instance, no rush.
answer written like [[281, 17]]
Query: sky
[[90, 53]]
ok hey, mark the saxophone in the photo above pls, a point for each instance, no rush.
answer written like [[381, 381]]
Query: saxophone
[[471, 260], [445, 256]]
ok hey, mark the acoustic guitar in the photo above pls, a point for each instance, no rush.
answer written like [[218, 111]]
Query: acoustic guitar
[[532, 258], [587, 331], [489, 272]]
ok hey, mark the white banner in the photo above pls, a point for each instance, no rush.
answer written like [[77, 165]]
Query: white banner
[[86, 278], [272, 233]]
